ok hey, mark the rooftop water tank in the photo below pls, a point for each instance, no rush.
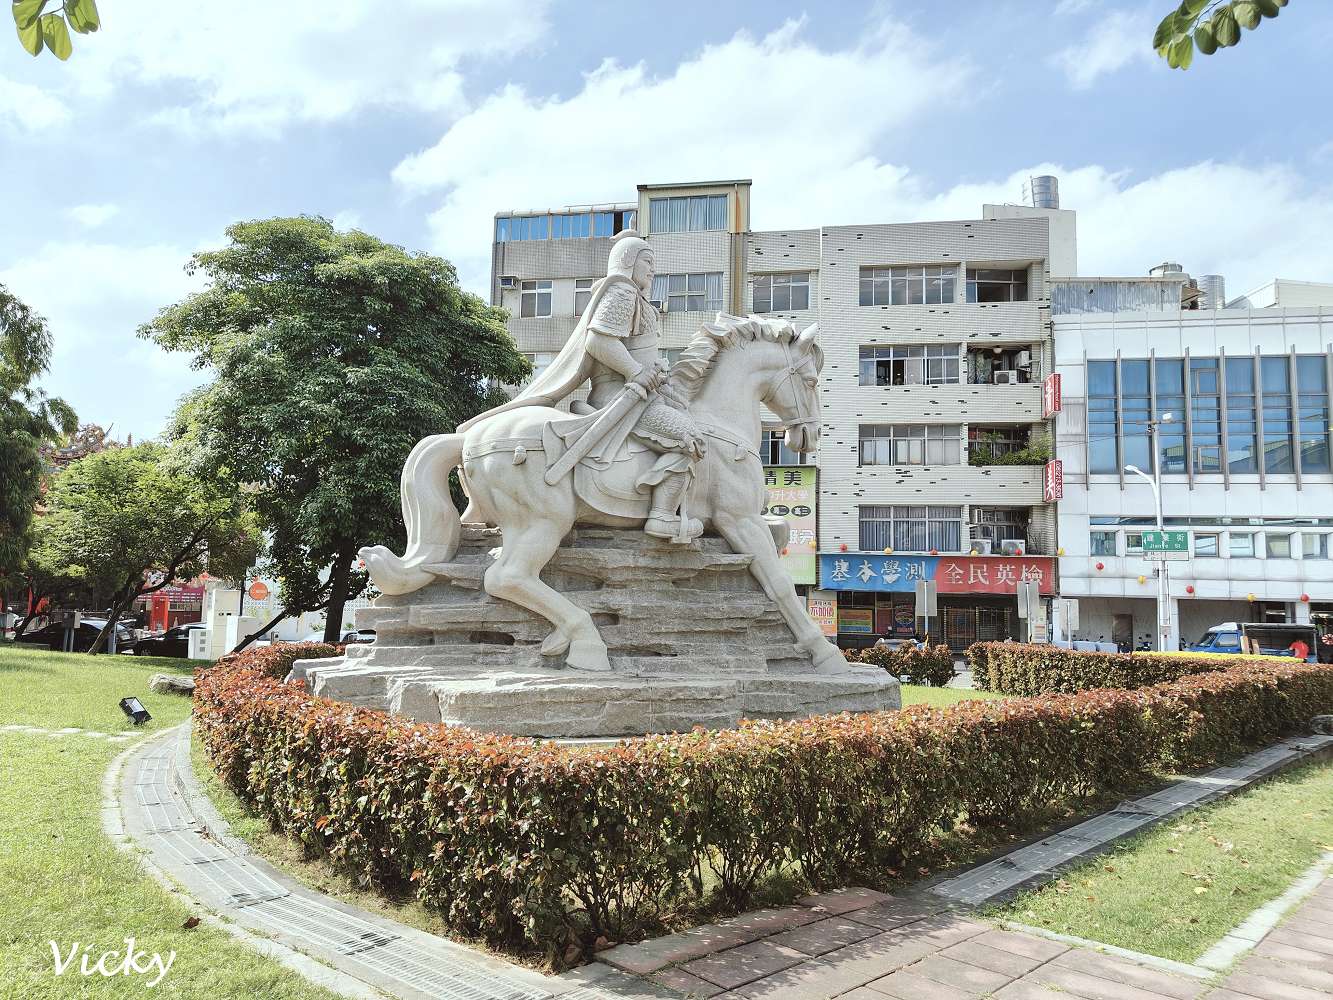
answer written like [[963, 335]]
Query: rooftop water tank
[[1214, 289], [1042, 192], [1165, 268]]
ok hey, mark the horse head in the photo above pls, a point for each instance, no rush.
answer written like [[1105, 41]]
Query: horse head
[[794, 391]]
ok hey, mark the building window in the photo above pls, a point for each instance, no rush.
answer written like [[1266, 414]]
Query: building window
[[781, 292], [909, 444], [774, 450], [1133, 543], [540, 362], [577, 225], [1312, 416], [1242, 424], [929, 364], [989, 445], [900, 286], [1169, 376], [1205, 545], [536, 299], [1101, 543], [688, 292], [1102, 411], [582, 294], [1275, 375], [521, 227], [911, 529], [1241, 545], [1206, 403], [997, 285], [693, 214], [999, 523], [1135, 410], [1314, 546], [1277, 546]]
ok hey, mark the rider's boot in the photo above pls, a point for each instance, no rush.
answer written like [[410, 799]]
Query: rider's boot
[[663, 521]]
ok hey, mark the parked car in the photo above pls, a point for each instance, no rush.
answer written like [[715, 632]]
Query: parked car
[[351, 635], [172, 642], [53, 636], [1269, 638]]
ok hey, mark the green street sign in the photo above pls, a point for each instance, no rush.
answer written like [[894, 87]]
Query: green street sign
[[1166, 541]]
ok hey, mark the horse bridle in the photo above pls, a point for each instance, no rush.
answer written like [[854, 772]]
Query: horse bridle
[[793, 371]]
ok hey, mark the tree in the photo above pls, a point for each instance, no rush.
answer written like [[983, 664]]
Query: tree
[[333, 354], [47, 578], [1208, 25], [40, 29], [130, 521], [28, 419]]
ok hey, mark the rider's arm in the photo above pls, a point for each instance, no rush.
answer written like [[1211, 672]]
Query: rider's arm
[[612, 352]]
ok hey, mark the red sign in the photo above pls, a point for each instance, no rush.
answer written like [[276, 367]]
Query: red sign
[[993, 574], [258, 591], [1050, 395], [1053, 482]]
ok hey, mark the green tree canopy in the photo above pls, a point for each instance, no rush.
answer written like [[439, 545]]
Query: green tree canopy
[[45, 24], [333, 353], [28, 419], [130, 521], [1208, 25]]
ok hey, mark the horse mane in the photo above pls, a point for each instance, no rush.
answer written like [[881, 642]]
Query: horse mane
[[712, 339]]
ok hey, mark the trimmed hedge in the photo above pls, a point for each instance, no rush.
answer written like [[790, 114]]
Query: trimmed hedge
[[932, 665], [536, 847], [276, 660], [1021, 669]]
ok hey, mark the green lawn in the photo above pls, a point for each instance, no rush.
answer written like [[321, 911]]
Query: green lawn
[[76, 885], [941, 697], [1174, 891]]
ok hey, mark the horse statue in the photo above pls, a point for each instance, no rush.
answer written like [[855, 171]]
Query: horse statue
[[731, 367]]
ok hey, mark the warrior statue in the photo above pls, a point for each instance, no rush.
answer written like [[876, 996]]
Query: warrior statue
[[615, 347]]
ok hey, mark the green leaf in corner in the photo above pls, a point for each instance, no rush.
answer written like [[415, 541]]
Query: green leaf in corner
[[1181, 53], [1247, 14], [1166, 31], [26, 11], [1269, 8], [55, 33], [83, 16], [31, 37], [1204, 38], [1225, 28], [1192, 8]]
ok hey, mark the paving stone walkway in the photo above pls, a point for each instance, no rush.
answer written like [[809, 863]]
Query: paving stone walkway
[[858, 944], [70, 731]]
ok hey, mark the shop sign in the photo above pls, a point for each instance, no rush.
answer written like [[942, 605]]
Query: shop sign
[[858, 620], [904, 620], [258, 591], [951, 574], [822, 606], [1050, 396], [792, 492], [1053, 482]]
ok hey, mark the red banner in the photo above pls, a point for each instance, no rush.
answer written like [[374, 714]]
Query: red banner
[[1050, 395], [993, 574], [1053, 481]]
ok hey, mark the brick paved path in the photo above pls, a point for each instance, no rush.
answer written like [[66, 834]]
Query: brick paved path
[[858, 944]]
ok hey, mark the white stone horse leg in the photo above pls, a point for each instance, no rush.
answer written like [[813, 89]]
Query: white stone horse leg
[[516, 576], [754, 535]]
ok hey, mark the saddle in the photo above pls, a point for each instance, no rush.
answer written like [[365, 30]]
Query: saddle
[[608, 479]]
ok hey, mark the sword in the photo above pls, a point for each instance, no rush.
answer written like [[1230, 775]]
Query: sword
[[633, 395]]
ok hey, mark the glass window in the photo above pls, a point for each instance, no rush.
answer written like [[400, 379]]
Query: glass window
[[1169, 374], [1241, 545], [898, 286], [910, 364], [1101, 543], [1206, 407], [1136, 408], [688, 292], [1275, 375], [521, 227], [774, 450], [911, 529], [1242, 420], [536, 299], [604, 223], [582, 294], [692, 214], [781, 292], [1312, 415], [997, 285], [1133, 543], [1205, 545], [1278, 546], [1314, 546], [1102, 418], [999, 523], [573, 225], [909, 444]]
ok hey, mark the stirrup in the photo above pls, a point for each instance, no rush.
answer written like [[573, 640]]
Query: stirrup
[[670, 528]]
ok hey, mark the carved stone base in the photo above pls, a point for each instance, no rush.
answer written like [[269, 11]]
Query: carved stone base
[[693, 640]]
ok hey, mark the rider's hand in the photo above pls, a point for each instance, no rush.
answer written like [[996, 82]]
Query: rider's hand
[[650, 376]]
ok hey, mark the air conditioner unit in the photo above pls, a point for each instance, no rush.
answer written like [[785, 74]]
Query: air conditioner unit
[[983, 546], [1005, 378], [508, 281], [1013, 546], [1024, 359]]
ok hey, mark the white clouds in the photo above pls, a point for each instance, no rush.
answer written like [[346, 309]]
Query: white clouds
[[1110, 44], [1066, 8], [92, 216], [26, 108], [802, 121], [254, 65]]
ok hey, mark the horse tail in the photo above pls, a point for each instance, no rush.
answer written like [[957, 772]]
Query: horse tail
[[429, 513]]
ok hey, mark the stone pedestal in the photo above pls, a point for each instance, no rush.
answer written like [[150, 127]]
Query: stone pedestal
[[693, 640]]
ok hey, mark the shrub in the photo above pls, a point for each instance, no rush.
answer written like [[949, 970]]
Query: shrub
[[932, 665], [276, 660], [1022, 669], [534, 846]]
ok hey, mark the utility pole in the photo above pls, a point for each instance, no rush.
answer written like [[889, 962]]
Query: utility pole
[[1155, 481]]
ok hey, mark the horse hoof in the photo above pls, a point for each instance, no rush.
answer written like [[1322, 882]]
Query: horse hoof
[[556, 643], [827, 658], [588, 654]]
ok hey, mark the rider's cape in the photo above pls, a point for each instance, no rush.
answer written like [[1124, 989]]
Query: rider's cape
[[571, 367]]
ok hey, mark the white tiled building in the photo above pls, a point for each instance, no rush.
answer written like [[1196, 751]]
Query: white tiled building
[[936, 337]]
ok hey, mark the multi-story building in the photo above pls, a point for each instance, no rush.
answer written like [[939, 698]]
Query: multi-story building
[[936, 339], [1240, 401]]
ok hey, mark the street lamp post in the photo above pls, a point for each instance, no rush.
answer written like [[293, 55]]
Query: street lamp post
[[1155, 481]]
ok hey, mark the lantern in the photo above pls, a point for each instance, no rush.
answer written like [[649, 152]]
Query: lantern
[[1143, 579], [1101, 566], [1189, 588]]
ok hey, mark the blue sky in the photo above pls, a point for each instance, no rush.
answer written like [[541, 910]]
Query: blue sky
[[417, 120]]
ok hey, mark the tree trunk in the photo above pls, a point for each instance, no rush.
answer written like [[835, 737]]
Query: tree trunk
[[338, 577], [280, 616], [123, 601]]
